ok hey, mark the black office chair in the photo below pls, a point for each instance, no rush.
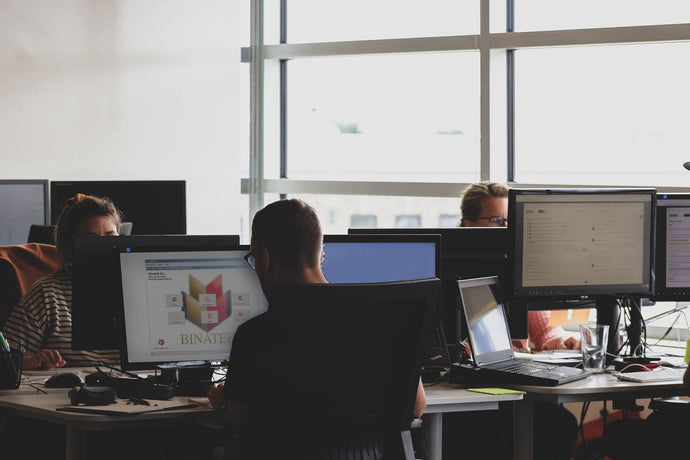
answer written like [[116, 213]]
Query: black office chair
[[41, 234], [342, 367]]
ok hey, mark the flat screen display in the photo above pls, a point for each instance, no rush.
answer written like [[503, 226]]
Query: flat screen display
[[153, 207], [22, 203], [672, 247], [185, 305], [582, 243]]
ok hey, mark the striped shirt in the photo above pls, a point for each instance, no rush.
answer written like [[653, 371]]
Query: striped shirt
[[43, 320]]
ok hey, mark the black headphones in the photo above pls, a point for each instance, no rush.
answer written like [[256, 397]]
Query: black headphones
[[80, 395]]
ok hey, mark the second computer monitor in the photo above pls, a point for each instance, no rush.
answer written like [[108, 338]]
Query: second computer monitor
[[672, 266], [380, 258], [583, 243]]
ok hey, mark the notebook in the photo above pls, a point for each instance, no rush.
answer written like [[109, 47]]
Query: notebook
[[491, 345]]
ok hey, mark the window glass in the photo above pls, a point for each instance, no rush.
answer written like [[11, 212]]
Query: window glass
[[337, 213], [604, 115], [388, 118], [533, 15], [320, 21]]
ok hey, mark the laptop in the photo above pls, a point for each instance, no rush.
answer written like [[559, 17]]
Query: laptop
[[491, 345]]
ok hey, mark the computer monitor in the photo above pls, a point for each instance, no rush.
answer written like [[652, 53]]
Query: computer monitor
[[672, 262], [184, 305], [466, 252], [96, 281], [582, 243], [22, 203], [154, 207], [380, 258]]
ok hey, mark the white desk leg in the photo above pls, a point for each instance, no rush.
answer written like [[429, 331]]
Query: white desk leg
[[523, 430], [433, 424], [75, 444]]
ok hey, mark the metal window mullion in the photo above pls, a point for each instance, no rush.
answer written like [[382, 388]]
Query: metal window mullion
[[484, 92], [256, 109]]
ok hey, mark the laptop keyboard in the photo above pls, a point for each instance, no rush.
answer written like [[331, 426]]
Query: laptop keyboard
[[527, 367]]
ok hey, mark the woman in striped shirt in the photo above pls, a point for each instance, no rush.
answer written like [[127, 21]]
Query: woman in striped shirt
[[42, 320]]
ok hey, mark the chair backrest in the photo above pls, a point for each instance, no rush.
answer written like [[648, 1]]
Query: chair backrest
[[20, 266], [41, 234], [342, 362]]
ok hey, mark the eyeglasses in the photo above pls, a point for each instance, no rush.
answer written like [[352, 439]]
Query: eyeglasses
[[249, 258], [495, 220]]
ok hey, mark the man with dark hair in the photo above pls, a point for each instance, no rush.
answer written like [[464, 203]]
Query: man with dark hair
[[286, 248]]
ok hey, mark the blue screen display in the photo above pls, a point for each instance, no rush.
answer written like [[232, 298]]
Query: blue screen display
[[378, 262]]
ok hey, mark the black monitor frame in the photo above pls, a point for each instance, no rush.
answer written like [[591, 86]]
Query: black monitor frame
[[46, 203], [466, 252], [389, 238], [662, 291], [165, 363], [582, 291], [155, 207], [96, 277]]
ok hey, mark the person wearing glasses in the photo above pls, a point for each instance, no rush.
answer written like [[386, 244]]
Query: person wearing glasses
[[485, 204], [286, 248]]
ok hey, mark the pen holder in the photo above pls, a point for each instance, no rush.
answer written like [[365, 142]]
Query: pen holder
[[10, 369]]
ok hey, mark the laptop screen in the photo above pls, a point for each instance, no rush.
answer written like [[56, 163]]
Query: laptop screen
[[486, 319]]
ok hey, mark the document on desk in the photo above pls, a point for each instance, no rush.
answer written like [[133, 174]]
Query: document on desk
[[126, 407]]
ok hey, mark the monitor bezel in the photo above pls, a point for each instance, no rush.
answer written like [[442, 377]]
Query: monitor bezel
[[661, 291], [149, 365], [579, 292], [88, 187], [96, 256], [385, 238]]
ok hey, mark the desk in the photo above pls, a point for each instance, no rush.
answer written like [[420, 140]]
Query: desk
[[597, 387], [33, 404], [448, 397]]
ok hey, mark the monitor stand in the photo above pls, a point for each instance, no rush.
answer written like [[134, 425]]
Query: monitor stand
[[609, 312]]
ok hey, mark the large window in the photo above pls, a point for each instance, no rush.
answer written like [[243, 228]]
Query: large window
[[379, 113]]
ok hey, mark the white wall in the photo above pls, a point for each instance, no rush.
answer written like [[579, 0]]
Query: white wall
[[125, 89]]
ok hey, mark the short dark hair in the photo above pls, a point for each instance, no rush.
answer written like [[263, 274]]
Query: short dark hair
[[475, 194], [291, 231], [72, 212]]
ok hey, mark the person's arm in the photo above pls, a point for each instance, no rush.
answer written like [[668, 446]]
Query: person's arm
[[420, 401], [44, 359], [545, 337]]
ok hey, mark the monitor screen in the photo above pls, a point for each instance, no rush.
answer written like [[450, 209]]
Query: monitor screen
[[380, 258], [672, 266], [22, 203], [96, 281], [153, 207], [584, 243], [466, 252], [184, 305]]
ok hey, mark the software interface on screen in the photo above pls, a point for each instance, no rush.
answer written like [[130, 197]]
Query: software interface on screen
[[186, 306], [673, 245], [597, 243], [377, 262]]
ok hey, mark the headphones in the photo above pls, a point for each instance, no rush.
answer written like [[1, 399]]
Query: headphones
[[80, 395]]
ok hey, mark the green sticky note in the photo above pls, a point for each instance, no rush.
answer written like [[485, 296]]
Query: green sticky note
[[497, 391]]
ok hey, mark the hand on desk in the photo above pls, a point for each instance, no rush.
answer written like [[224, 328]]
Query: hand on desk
[[571, 343], [215, 396], [44, 359]]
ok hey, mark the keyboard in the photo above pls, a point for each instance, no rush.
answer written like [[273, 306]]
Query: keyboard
[[660, 374]]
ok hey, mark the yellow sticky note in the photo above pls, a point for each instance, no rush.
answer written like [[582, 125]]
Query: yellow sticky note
[[580, 316], [687, 351], [558, 318], [497, 391]]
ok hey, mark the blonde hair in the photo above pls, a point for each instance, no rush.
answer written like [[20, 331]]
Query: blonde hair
[[474, 195], [72, 212]]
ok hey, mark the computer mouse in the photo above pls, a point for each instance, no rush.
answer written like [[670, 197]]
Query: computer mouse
[[64, 380], [99, 379]]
